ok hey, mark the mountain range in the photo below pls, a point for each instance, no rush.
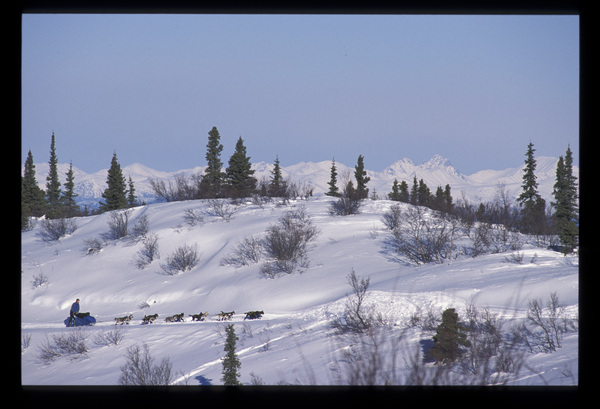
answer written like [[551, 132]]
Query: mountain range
[[437, 171]]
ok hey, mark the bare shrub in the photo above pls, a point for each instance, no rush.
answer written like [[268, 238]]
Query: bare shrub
[[286, 243], [392, 217], [179, 189], [71, 344], [54, 229], [140, 369], [185, 258], [93, 245], [140, 229], [220, 208], [149, 252], [349, 203], [39, 280], [546, 325], [118, 225], [111, 337], [247, 252], [193, 217], [422, 237], [356, 317]]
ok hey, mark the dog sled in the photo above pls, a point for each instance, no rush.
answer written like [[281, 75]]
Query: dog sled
[[81, 319]]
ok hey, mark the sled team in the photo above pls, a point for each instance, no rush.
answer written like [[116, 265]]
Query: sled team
[[222, 316]]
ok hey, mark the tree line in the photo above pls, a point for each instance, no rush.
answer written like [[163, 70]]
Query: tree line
[[55, 202], [529, 215]]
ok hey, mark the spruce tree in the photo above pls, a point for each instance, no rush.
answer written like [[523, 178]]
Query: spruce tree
[[423, 194], [414, 192], [333, 189], [534, 207], [231, 363], [362, 179], [395, 193], [404, 197], [115, 194], [239, 173], [565, 205], [213, 177], [33, 201], [277, 186], [131, 202], [53, 192], [449, 337], [448, 206], [69, 195]]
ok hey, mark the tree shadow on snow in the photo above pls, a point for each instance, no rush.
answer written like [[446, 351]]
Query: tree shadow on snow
[[426, 345], [204, 381]]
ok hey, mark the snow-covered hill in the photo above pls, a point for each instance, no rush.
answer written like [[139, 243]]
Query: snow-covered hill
[[437, 171], [293, 342]]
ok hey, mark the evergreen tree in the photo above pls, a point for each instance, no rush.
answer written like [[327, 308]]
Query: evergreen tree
[[565, 206], [333, 189], [69, 195], [361, 178], [33, 201], [395, 194], [404, 197], [414, 192], [212, 180], [448, 199], [423, 194], [438, 199], [450, 336], [231, 363], [115, 194], [131, 202], [277, 186], [53, 192], [239, 173], [534, 207]]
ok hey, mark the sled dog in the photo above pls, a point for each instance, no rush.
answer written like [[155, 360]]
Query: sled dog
[[225, 316], [123, 320], [149, 319], [251, 315], [199, 317], [175, 318]]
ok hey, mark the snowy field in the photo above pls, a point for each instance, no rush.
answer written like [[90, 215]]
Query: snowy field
[[293, 343]]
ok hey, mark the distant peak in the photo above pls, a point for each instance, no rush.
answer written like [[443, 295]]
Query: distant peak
[[436, 161]]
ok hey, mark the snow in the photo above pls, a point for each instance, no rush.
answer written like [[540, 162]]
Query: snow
[[293, 342]]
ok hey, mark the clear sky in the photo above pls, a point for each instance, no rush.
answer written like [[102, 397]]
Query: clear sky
[[474, 89]]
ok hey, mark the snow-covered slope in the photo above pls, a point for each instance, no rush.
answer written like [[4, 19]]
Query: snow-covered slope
[[293, 342], [437, 171]]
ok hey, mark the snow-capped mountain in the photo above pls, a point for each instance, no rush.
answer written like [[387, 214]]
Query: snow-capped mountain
[[437, 171]]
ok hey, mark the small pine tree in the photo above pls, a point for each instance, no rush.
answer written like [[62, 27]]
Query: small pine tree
[[131, 202], [69, 195], [231, 363], [33, 201], [395, 193], [239, 173], [53, 192], [361, 178], [213, 177], [423, 194], [450, 336], [277, 185], [414, 192], [115, 194], [565, 205], [534, 207], [333, 189], [403, 195]]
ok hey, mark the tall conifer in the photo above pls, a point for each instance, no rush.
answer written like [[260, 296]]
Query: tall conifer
[[534, 207], [239, 173], [213, 177], [231, 363], [115, 195], [566, 204], [361, 178], [333, 189], [53, 192]]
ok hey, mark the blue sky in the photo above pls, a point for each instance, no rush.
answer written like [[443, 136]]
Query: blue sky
[[474, 89]]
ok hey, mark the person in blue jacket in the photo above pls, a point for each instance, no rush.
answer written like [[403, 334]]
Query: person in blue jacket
[[74, 310]]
